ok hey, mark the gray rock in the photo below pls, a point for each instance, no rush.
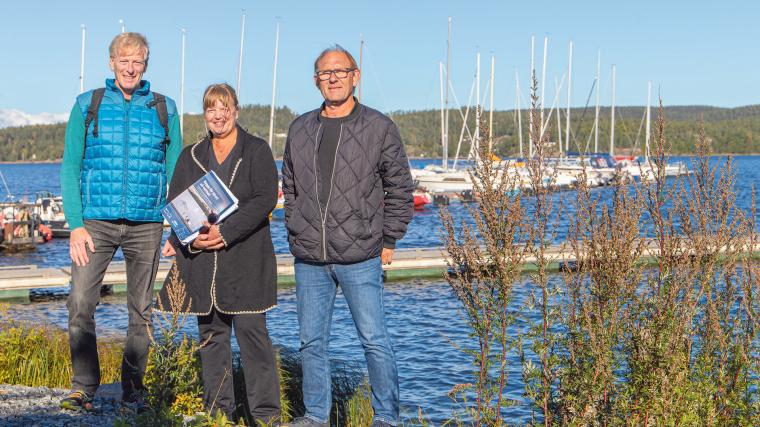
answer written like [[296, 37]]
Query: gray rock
[[38, 407]]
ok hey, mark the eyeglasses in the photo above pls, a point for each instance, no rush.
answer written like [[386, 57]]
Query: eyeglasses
[[340, 73], [211, 112], [137, 65]]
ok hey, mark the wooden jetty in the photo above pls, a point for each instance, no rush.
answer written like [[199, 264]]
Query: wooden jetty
[[17, 281]]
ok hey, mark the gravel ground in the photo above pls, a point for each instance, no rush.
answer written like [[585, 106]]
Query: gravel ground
[[38, 407]]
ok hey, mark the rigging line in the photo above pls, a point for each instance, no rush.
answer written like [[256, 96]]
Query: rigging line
[[459, 106], [588, 141], [574, 138], [583, 114], [619, 114], [641, 125], [485, 93], [464, 123], [554, 104], [523, 103], [7, 190], [375, 77], [523, 106]]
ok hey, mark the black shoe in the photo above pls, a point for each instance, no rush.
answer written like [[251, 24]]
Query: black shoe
[[77, 400], [304, 422], [135, 402]]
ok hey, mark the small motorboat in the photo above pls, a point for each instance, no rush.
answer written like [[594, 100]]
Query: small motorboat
[[421, 198]]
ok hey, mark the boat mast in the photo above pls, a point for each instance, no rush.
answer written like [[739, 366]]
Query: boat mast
[[121, 24], [274, 84], [596, 117], [517, 109], [478, 109], [361, 57], [443, 113], [559, 119], [448, 82], [649, 103], [81, 63], [612, 118], [240, 58], [530, 85], [490, 111], [543, 83], [569, 91], [182, 84]]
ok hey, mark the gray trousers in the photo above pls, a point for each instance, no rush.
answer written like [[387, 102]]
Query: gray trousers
[[140, 242], [256, 356]]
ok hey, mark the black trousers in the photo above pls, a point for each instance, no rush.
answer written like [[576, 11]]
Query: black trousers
[[257, 358]]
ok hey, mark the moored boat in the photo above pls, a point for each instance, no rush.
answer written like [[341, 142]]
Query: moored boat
[[421, 198]]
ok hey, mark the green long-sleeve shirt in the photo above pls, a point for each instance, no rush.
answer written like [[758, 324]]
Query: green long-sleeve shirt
[[73, 155]]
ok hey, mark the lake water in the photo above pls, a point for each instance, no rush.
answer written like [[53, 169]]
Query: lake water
[[424, 317]]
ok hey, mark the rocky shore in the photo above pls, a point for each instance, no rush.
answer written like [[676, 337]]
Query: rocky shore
[[38, 407]]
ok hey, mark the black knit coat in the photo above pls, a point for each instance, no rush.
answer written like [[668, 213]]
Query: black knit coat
[[242, 277]]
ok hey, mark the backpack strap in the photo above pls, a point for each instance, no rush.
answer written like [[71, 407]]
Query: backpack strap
[[159, 101], [92, 110]]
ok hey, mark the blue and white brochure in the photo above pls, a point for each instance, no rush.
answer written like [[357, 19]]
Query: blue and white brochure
[[187, 212]]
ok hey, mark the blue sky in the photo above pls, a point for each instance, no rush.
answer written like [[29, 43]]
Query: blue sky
[[694, 52]]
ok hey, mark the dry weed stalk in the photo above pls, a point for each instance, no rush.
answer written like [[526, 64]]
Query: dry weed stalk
[[541, 225], [606, 244], [484, 261], [656, 323], [173, 374]]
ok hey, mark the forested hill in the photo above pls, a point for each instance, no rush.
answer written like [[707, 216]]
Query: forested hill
[[731, 130]]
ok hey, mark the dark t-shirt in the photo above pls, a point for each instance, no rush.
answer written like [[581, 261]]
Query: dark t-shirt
[[328, 146], [224, 170]]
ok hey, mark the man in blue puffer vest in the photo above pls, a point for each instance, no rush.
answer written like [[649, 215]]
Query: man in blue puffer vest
[[117, 162]]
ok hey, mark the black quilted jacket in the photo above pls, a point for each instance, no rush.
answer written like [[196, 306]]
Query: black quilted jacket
[[370, 192]]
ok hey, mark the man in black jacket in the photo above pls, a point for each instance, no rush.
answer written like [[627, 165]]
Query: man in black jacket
[[348, 199]]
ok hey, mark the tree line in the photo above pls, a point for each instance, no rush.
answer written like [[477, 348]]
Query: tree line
[[728, 130]]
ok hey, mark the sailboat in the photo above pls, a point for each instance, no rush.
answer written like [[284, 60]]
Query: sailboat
[[644, 169], [441, 179]]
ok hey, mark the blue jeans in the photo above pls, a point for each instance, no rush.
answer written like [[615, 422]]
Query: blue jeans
[[362, 285], [140, 243]]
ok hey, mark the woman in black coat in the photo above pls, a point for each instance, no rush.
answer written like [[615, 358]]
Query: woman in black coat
[[230, 272]]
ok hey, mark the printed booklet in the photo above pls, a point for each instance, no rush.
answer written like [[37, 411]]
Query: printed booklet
[[187, 212]]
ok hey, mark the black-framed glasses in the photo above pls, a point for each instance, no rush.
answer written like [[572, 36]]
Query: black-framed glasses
[[340, 73]]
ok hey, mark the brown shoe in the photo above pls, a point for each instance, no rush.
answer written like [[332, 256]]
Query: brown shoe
[[77, 400]]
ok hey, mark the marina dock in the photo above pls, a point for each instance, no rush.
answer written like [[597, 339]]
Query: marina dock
[[16, 282]]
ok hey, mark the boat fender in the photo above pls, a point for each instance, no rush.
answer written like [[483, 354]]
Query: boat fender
[[45, 232]]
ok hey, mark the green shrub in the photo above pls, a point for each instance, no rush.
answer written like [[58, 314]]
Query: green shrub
[[39, 355]]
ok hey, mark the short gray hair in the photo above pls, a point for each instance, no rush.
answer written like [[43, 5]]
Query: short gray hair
[[336, 48], [129, 41]]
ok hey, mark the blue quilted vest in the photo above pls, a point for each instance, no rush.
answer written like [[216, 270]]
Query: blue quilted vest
[[124, 168]]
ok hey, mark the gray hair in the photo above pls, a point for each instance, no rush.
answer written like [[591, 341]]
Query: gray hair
[[336, 48], [129, 41]]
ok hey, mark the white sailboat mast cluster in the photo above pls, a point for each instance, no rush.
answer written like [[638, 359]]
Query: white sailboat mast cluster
[[600, 168]]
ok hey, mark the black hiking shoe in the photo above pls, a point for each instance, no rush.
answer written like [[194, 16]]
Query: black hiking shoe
[[78, 400], [135, 403], [304, 422]]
